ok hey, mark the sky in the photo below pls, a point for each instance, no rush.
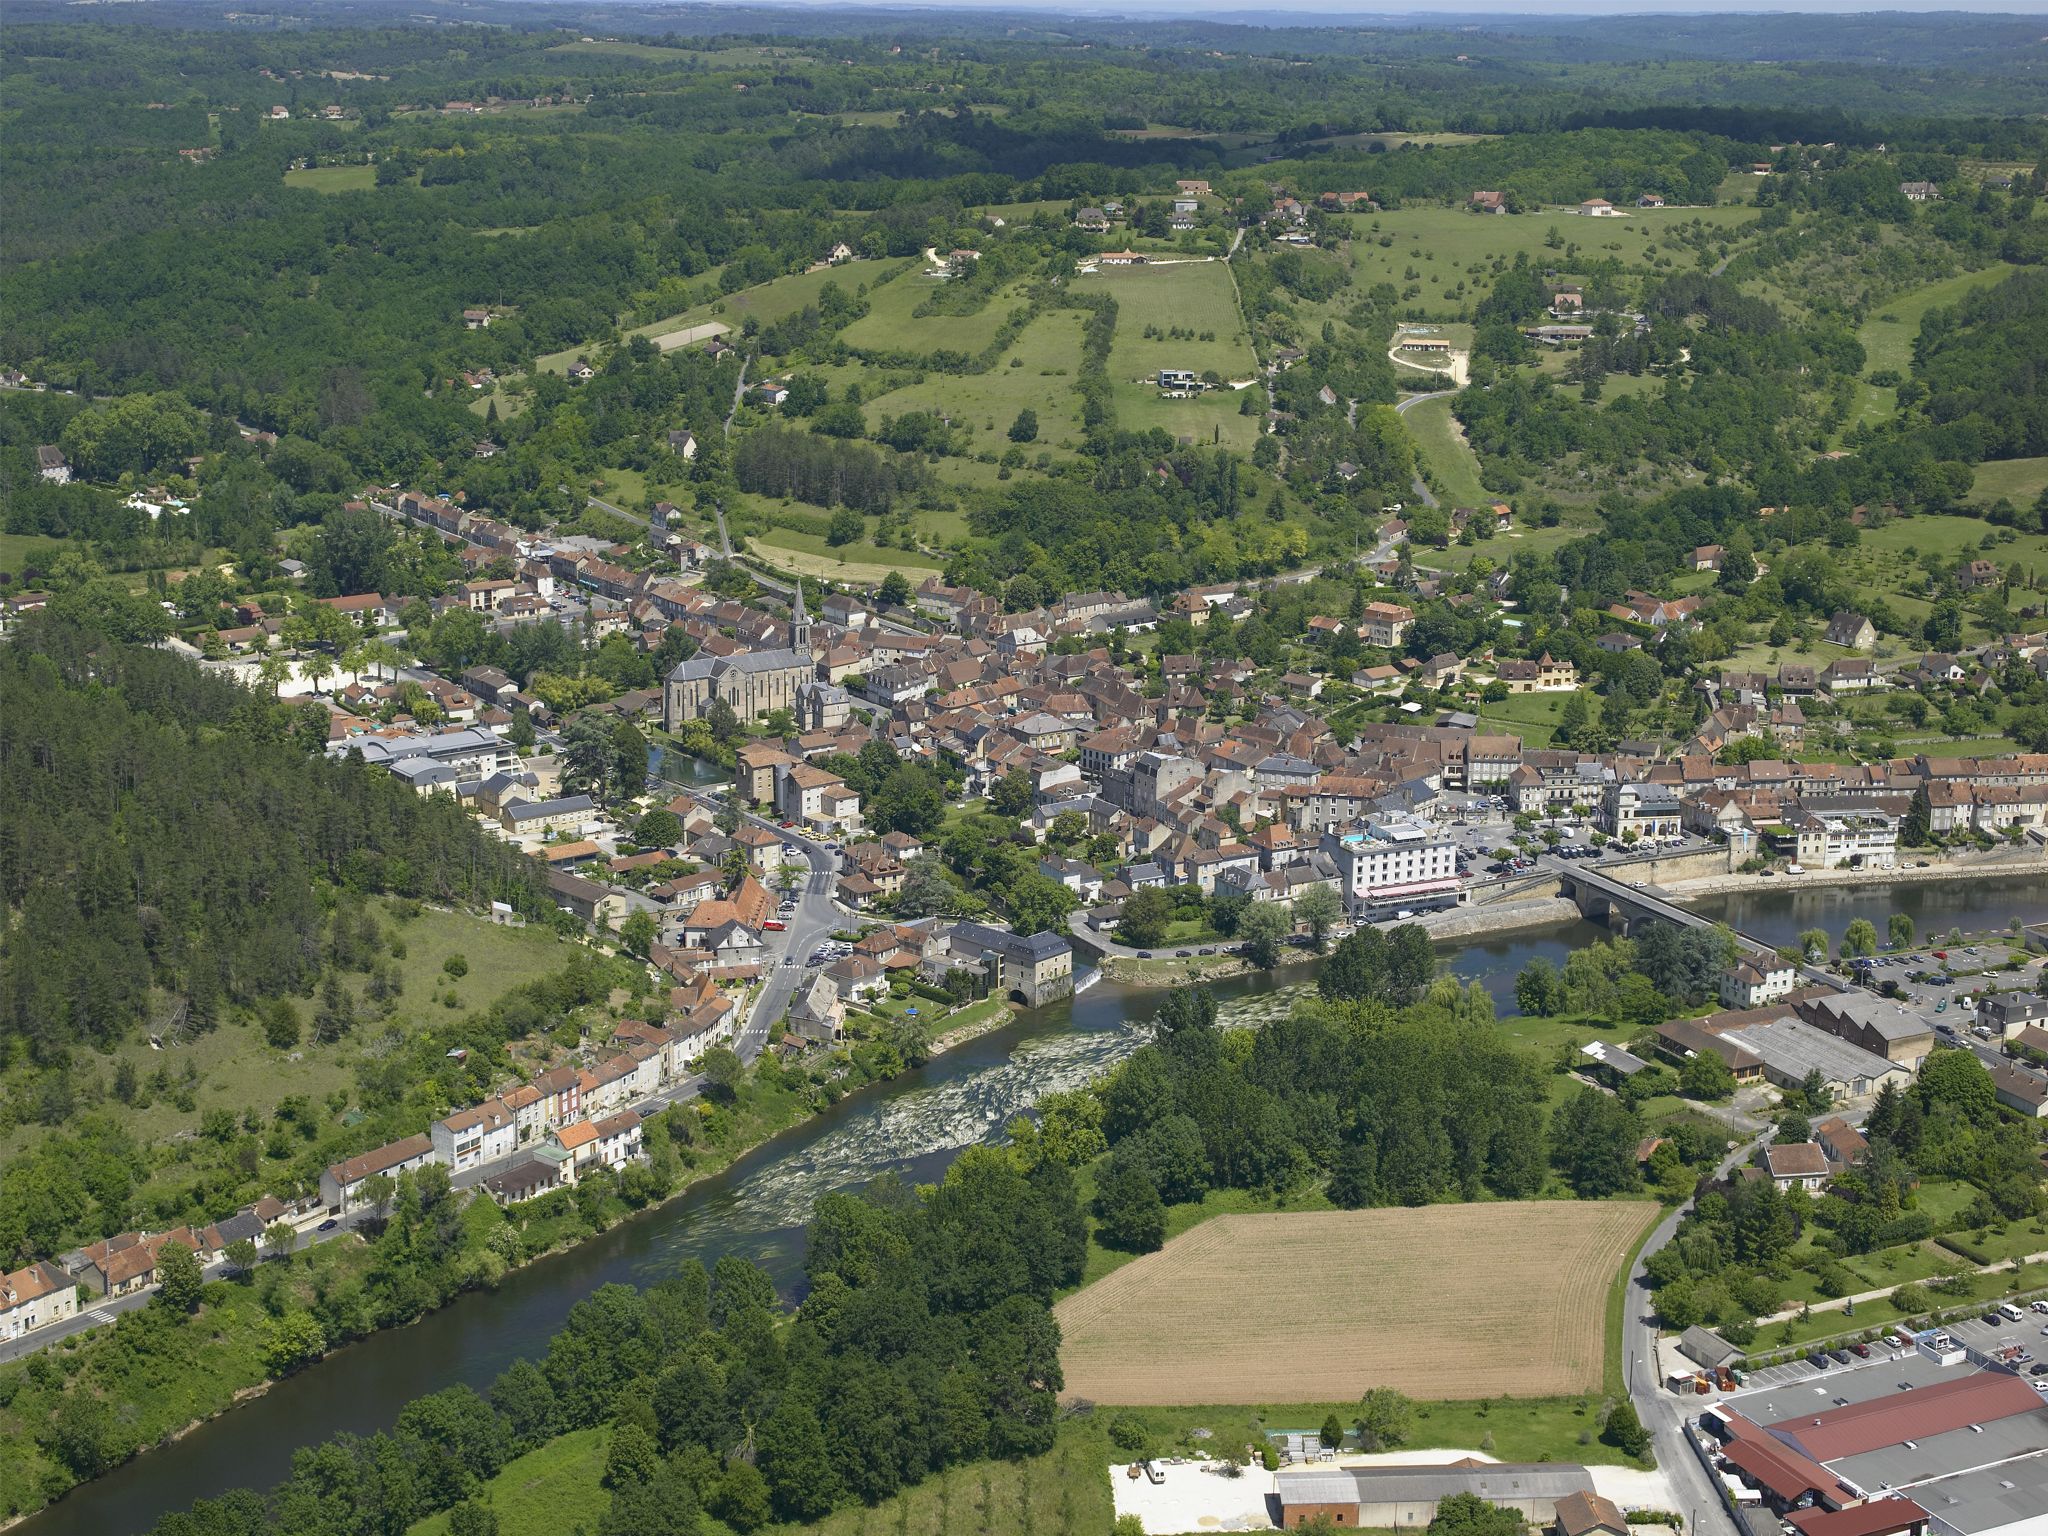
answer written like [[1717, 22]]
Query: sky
[[1297, 12]]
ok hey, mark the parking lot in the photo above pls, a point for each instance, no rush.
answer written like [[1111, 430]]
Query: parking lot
[[1988, 1335]]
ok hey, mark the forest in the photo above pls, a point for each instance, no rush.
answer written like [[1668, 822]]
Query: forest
[[174, 840]]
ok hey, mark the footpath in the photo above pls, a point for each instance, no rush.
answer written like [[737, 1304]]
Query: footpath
[[1841, 1303]]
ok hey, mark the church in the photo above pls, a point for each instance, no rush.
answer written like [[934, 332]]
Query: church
[[753, 683]]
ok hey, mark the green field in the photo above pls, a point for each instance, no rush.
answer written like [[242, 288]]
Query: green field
[[1887, 560], [1195, 296], [2019, 481], [334, 178], [891, 325], [1452, 463], [1048, 355], [23, 549], [808, 554], [767, 303], [1888, 337], [545, 1492], [1444, 245]]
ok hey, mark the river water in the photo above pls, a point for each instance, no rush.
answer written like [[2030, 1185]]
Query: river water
[[913, 1126]]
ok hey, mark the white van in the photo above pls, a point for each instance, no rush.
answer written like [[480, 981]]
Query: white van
[[2010, 1313]]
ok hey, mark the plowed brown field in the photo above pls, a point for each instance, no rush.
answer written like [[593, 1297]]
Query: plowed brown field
[[1446, 1301]]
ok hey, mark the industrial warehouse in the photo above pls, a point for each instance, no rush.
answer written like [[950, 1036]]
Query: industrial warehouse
[[1934, 1436]]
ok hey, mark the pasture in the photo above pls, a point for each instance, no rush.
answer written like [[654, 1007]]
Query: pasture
[[1453, 466], [892, 324], [334, 178], [766, 303], [1451, 252], [1191, 296], [2019, 481], [1446, 1301], [558, 1487], [1047, 358], [1888, 338]]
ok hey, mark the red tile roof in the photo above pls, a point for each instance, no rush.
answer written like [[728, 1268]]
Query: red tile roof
[[1920, 1414]]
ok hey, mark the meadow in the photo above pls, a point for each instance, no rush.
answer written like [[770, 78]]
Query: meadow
[[1888, 337], [1037, 373], [1448, 247], [1450, 1301], [334, 178], [1191, 296], [892, 324], [1453, 466]]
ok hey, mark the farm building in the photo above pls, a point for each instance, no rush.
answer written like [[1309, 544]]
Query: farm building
[[1384, 1498]]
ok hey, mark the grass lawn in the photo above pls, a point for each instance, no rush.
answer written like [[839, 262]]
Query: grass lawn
[[1887, 559], [545, 1492], [1452, 464], [1872, 1315], [334, 178], [1564, 1429], [1194, 296], [2019, 481], [1526, 714]]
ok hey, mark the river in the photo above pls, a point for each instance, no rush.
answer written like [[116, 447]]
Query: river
[[913, 1126]]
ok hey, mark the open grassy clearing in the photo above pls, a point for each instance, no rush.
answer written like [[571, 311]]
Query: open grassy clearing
[[1048, 359], [809, 555], [545, 1492], [2019, 481], [1458, 1301], [237, 1070], [766, 303], [892, 324], [334, 178], [1196, 296], [1452, 463], [1440, 244], [18, 550], [1888, 338], [1523, 1429]]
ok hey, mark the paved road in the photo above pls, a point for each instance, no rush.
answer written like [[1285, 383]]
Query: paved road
[[1663, 1412], [813, 920]]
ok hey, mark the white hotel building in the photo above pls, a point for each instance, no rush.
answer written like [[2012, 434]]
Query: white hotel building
[[1394, 864]]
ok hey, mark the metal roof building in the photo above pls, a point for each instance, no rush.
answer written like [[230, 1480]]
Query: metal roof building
[[1391, 1497]]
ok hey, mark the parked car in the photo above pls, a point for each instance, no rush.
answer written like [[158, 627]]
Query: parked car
[[1840, 1356], [328, 1225], [1860, 1351], [1817, 1360]]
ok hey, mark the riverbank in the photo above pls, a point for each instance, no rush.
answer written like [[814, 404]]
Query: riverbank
[[218, 1355], [1988, 868]]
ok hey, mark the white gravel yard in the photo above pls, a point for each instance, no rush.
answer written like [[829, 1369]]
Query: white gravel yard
[[1195, 1496]]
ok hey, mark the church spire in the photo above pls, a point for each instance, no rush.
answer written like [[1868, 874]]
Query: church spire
[[799, 621]]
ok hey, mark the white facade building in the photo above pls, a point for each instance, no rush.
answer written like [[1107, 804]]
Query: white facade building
[[1394, 863]]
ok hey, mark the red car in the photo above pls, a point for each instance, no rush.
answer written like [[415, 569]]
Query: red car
[[775, 925]]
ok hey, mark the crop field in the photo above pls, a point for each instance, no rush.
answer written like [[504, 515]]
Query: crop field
[[891, 324], [1191, 296], [1441, 245], [1445, 1301]]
